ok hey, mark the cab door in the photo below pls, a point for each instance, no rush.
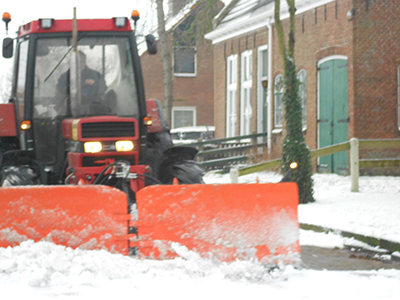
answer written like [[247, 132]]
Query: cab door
[[19, 93]]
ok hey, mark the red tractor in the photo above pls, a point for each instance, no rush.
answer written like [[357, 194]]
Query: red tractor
[[78, 112]]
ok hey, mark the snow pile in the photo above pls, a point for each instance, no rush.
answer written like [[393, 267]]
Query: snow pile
[[39, 270], [46, 264]]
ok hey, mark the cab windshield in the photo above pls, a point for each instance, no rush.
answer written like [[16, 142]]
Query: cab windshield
[[98, 79]]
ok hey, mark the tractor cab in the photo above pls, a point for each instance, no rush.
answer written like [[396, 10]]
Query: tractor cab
[[61, 73]]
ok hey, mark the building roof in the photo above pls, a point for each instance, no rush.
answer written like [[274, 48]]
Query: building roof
[[248, 15]]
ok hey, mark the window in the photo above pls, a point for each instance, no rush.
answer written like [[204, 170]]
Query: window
[[246, 91], [302, 78], [278, 101], [184, 61], [231, 76], [183, 116], [21, 81], [398, 97], [262, 89], [107, 61]]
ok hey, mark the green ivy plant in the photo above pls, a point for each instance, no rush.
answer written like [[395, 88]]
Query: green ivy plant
[[295, 148]]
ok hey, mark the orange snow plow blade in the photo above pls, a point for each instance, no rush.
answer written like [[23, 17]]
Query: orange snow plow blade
[[227, 221], [88, 217]]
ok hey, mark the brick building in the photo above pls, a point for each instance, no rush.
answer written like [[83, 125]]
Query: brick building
[[193, 81], [347, 55]]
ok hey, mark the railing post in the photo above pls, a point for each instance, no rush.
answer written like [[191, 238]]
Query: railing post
[[354, 164], [234, 174], [253, 138]]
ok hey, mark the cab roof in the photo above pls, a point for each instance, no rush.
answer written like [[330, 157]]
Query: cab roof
[[66, 26]]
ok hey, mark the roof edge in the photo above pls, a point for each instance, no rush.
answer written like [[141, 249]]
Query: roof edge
[[260, 20]]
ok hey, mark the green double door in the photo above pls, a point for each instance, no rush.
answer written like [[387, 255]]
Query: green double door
[[333, 116]]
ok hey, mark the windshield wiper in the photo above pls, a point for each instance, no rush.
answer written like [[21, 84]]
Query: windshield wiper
[[59, 63], [62, 59]]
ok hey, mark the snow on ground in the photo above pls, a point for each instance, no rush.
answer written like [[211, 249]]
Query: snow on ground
[[44, 270]]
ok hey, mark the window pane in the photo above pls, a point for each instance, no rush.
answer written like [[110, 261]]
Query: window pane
[[231, 96], [107, 79], [264, 63], [22, 65], [250, 69], [183, 118], [184, 60], [230, 73], [302, 77], [278, 101], [245, 69], [398, 97]]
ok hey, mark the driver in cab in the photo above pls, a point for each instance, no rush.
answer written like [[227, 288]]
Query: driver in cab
[[92, 84]]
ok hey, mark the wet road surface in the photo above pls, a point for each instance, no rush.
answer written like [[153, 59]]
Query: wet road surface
[[344, 259]]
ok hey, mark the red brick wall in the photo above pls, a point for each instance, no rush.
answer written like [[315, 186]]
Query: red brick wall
[[376, 58], [188, 91], [320, 32]]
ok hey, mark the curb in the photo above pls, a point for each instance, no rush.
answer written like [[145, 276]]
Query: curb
[[390, 246]]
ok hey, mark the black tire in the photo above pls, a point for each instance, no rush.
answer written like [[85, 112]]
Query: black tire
[[178, 162], [15, 176], [152, 155], [187, 172]]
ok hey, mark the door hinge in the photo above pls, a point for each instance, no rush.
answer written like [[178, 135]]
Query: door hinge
[[322, 68], [344, 120]]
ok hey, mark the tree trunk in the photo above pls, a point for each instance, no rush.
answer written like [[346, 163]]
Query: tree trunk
[[166, 61]]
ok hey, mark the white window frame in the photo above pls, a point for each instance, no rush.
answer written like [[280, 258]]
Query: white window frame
[[195, 63], [183, 108], [231, 95], [246, 88], [303, 97], [278, 113], [260, 88]]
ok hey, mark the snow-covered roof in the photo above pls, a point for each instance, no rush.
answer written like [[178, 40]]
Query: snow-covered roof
[[249, 15]]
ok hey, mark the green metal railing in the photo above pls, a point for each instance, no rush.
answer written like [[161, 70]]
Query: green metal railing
[[219, 153]]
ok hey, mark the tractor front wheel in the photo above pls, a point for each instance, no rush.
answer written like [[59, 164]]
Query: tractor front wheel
[[14, 176]]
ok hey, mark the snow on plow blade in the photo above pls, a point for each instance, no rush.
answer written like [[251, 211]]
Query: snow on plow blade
[[88, 217], [227, 221]]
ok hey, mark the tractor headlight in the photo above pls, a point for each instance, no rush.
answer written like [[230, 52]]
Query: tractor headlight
[[93, 147], [120, 22], [124, 145], [46, 23]]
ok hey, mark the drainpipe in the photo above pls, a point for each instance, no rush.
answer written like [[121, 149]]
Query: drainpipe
[[269, 88]]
